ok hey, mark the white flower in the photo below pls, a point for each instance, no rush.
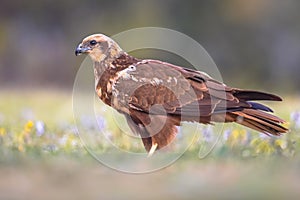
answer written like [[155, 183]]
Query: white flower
[[74, 143], [63, 140]]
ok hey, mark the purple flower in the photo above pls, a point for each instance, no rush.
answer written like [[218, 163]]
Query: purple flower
[[101, 122], [50, 148], [89, 122], [295, 118], [208, 134], [40, 128], [27, 114], [226, 134]]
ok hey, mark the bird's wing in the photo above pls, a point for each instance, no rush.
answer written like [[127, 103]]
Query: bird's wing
[[157, 87]]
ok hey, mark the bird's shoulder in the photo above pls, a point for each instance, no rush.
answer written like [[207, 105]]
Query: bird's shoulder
[[149, 70]]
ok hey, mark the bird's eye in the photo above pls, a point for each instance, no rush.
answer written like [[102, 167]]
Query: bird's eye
[[93, 42]]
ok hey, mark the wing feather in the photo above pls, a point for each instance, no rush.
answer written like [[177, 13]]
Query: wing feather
[[177, 89]]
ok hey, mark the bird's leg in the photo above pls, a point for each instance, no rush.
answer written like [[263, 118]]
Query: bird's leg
[[152, 150]]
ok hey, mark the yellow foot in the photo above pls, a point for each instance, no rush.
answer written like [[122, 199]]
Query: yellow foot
[[152, 150]]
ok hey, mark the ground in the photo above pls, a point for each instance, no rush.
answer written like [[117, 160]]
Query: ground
[[41, 156]]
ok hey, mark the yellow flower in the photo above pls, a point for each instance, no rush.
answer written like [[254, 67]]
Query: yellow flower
[[23, 139], [69, 141], [2, 132], [21, 148], [262, 146], [28, 126], [281, 143], [237, 137], [20, 138]]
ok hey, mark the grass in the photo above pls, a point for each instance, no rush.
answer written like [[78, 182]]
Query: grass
[[41, 155]]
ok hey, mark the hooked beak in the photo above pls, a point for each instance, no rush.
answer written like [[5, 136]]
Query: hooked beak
[[80, 50]]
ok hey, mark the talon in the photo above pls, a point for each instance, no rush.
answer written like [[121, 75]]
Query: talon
[[152, 150]]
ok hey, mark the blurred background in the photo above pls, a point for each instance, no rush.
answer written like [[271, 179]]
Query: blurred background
[[254, 43]]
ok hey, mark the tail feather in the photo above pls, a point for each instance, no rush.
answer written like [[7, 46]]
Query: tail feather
[[249, 95], [258, 120], [259, 106], [263, 115]]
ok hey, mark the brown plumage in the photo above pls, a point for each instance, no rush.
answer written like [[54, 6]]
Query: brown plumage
[[156, 96]]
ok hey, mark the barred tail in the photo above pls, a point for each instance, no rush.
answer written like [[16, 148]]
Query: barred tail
[[258, 120]]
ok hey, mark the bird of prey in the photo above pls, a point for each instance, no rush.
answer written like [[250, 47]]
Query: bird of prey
[[156, 96]]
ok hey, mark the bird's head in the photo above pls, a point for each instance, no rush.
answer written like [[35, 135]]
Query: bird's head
[[99, 47]]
